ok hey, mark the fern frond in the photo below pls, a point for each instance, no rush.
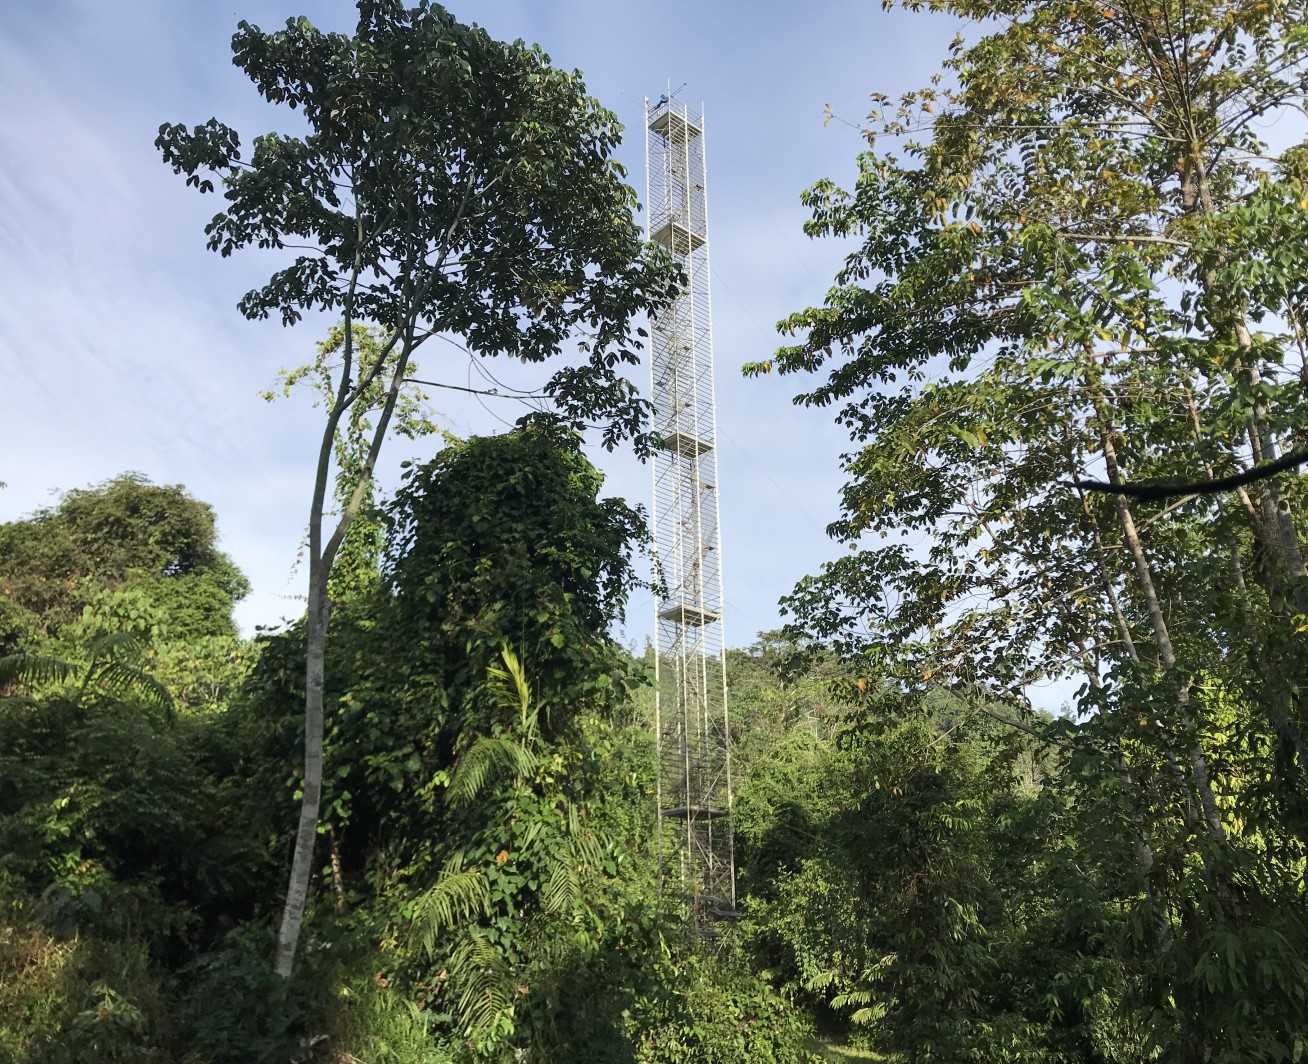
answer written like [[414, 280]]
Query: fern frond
[[33, 669], [127, 682], [112, 671], [868, 1011], [820, 981], [119, 646]]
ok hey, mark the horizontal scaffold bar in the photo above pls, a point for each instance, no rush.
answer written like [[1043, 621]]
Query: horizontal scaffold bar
[[695, 812]]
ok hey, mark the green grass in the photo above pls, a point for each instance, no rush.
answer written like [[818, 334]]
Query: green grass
[[840, 1054]]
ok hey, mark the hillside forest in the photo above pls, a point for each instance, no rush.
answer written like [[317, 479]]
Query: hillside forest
[[417, 824]]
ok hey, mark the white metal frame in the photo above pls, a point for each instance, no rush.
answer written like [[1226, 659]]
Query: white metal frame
[[696, 848]]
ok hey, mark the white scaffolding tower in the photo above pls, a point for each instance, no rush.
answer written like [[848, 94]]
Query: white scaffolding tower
[[696, 854]]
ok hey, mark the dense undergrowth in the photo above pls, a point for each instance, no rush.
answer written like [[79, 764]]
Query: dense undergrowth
[[487, 886], [931, 876]]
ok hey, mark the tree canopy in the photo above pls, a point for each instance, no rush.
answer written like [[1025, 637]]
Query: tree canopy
[[448, 183], [1082, 264], [126, 541]]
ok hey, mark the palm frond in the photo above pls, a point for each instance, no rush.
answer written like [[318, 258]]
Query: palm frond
[[581, 854], [486, 992], [459, 894], [480, 762], [562, 888], [513, 686], [529, 833], [587, 853]]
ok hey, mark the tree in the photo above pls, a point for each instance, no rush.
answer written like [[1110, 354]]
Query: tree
[[499, 544], [469, 702], [448, 183], [1086, 268], [356, 571], [125, 536]]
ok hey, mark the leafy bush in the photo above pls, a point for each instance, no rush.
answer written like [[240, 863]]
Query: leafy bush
[[79, 1000], [234, 1008], [712, 1010]]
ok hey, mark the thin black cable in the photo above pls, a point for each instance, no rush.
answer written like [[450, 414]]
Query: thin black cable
[[475, 391], [1153, 491], [476, 363]]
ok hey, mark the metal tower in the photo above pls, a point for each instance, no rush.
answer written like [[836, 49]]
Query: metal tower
[[696, 855]]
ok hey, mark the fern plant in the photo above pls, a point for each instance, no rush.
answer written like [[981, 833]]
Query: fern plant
[[113, 669]]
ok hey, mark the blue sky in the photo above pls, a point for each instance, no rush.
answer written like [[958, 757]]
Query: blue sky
[[123, 350]]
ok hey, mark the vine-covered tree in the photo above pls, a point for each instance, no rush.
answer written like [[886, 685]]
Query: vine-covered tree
[[468, 696], [447, 183], [125, 540]]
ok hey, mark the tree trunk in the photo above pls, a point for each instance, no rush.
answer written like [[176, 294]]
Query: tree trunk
[[297, 890], [1274, 690], [318, 614], [1278, 525], [1271, 678], [338, 874], [1200, 780]]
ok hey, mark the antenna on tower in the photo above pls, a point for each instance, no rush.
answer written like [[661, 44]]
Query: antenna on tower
[[697, 866]]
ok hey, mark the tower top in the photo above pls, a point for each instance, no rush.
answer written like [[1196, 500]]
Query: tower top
[[676, 125]]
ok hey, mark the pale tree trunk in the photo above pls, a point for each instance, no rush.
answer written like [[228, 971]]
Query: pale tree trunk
[[1106, 579], [1279, 532], [1160, 925], [306, 835], [1200, 778], [414, 291], [1193, 1043], [1162, 637], [321, 557], [1275, 691]]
